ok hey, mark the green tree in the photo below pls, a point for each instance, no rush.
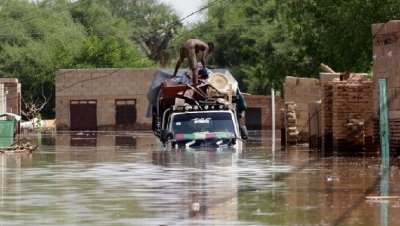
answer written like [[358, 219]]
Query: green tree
[[107, 53], [40, 36], [37, 38], [261, 42], [97, 19], [244, 33], [152, 23], [337, 33]]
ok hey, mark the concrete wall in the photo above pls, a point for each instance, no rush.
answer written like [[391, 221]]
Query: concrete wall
[[301, 91], [105, 86]]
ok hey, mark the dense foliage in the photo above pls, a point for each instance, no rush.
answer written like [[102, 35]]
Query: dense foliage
[[259, 41], [263, 41], [40, 36]]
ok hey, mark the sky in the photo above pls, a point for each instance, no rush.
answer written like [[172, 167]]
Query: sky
[[186, 7]]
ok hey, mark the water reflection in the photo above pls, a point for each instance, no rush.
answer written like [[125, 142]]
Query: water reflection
[[384, 193], [83, 139], [127, 180], [125, 141], [211, 182]]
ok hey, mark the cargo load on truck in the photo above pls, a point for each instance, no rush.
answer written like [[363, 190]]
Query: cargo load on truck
[[196, 112]]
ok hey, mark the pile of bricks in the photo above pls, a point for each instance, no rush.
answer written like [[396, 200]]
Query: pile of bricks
[[291, 122], [355, 131]]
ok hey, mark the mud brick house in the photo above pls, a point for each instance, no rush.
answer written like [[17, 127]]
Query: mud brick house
[[386, 65], [116, 99], [333, 112]]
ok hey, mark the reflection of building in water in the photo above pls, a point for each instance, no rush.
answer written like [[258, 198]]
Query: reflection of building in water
[[210, 186], [125, 141], [10, 188], [2, 184], [263, 138], [95, 146], [83, 139]]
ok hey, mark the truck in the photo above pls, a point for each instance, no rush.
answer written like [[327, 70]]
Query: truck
[[203, 115]]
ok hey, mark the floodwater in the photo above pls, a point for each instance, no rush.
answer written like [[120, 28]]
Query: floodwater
[[128, 179]]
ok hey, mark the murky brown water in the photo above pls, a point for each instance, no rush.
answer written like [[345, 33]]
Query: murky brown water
[[114, 179]]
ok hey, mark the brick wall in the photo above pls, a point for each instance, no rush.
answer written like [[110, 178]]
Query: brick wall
[[14, 95], [301, 91], [265, 103], [345, 105], [352, 101], [326, 115], [386, 64], [105, 86]]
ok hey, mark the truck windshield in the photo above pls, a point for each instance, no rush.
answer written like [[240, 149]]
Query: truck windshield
[[207, 123]]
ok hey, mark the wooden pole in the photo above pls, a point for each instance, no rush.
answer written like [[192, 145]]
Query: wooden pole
[[326, 68]]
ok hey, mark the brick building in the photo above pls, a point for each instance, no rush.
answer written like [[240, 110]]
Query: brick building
[[334, 110], [116, 99], [259, 112], [102, 99], [12, 94]]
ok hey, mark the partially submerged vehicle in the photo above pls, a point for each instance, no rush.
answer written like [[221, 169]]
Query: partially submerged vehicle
[[197, 115]]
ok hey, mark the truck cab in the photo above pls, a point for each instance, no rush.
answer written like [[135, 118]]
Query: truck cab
[[206, 127]]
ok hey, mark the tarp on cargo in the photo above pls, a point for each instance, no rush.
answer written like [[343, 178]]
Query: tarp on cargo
[[164, 74]]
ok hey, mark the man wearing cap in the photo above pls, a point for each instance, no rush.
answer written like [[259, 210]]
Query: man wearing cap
[[190, 50]]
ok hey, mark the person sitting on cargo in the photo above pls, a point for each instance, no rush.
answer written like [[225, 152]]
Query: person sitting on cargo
[[203, 72], [190, 50], [186, 77]]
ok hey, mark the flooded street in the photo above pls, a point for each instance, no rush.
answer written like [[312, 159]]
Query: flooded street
[[127, 179]]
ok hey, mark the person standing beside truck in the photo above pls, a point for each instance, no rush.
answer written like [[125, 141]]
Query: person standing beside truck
[[190, 49]]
